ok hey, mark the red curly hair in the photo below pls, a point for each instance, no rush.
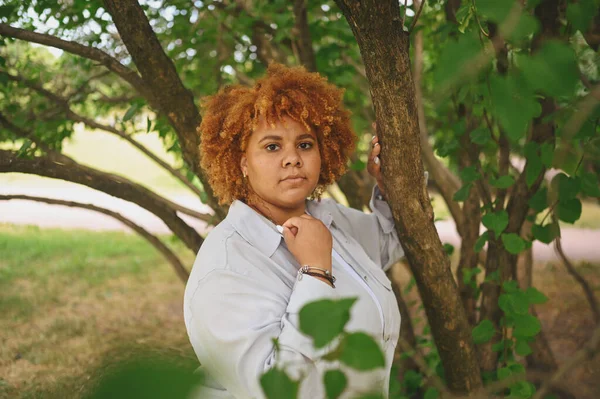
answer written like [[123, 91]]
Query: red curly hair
[[231, 115]]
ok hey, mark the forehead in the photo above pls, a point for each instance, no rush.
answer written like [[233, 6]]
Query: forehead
[[284, 127]]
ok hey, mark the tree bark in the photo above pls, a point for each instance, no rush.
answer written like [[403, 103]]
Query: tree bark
[[384, 48], [106, 182], [159, 73]]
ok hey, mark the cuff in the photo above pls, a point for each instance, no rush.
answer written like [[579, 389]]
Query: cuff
[[309, 289], [382, 210]]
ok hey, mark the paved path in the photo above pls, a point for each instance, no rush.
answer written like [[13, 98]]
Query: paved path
[[579, 244]]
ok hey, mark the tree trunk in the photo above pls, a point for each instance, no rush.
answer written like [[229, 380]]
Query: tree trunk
[[384, 47], [159, 73]]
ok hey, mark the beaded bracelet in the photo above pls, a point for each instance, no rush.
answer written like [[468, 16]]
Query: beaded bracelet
[[326, 274]]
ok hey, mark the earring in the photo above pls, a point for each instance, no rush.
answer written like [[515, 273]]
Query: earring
[[244, 174]]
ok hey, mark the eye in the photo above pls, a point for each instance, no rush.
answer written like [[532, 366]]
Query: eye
[[307, 145], [272, 147]]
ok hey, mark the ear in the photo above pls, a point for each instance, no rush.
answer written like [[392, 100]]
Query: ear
[[244, 164]]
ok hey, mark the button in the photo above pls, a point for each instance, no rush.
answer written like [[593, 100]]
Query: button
[[365, 277]]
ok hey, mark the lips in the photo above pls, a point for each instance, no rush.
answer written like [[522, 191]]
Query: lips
[[294, 179]]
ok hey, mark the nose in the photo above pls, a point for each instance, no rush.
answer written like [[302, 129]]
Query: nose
[[292, 157]]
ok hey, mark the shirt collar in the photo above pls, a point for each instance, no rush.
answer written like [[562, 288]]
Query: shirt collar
[[260, 232]]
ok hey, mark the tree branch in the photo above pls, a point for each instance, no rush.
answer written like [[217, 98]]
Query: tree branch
[[589, 292], [445, 180], [91, 53], [180, 270], [67, 160], [108, 183], [63, 104], [158, 72], [302, 34]]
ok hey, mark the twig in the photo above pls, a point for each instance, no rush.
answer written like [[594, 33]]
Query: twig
[[417, 15], [589, 293], [587, 352], [180, 270]]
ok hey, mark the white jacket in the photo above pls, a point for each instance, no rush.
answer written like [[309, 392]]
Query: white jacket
[[243, 292]]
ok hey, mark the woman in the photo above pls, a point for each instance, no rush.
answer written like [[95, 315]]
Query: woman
[[265, 150]]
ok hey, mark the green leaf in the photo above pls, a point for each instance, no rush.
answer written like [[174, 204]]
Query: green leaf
[[131, 112], [535, 297], [568, 187], [335, 383], [510, 286], [449, 249], [481, 241], [514, 303], [547, 233], [514, 104], [526, 325], [533, 169], [481, 136], [581, 14], [431, 393], [513, 243], [522, 389], [526, 27], [496, 222], [522, 348], [493, 276], [483, 332], [547, 154], [504, 373], [589, 184], [539, 201], [469, 174], [494, 10], [553, 69], [463, 193], [455, 56], [325, 319], [503, 181], [569, 211], [276, 384], [361, 352]]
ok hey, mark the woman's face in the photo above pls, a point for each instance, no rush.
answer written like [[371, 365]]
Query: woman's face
[[282, 163]]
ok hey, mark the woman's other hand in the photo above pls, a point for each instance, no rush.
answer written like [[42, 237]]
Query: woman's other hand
[[309, 240], [374, 163]]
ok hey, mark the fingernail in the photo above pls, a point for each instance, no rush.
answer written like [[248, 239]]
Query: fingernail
[[372, 138], [376, 160]]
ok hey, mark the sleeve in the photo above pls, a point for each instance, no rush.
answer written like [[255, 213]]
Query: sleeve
[[236, 317], [375, 232]]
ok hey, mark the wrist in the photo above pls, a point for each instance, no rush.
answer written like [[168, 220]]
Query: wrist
[[323, 279]]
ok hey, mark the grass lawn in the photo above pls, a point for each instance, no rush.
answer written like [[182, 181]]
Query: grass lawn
[[71, 300], [75, 302]]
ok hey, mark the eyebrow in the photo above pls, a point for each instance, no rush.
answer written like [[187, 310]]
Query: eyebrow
[[279, 138]]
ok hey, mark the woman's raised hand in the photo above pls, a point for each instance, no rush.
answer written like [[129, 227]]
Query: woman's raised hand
[[309, 240], [374, 163]]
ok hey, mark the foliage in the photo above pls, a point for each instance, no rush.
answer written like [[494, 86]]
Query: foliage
[[504, 101]]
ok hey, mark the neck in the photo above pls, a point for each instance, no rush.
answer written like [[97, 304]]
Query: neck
[[276, 214]]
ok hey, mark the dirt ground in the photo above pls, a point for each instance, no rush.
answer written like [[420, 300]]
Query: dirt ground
[[567, 319]]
